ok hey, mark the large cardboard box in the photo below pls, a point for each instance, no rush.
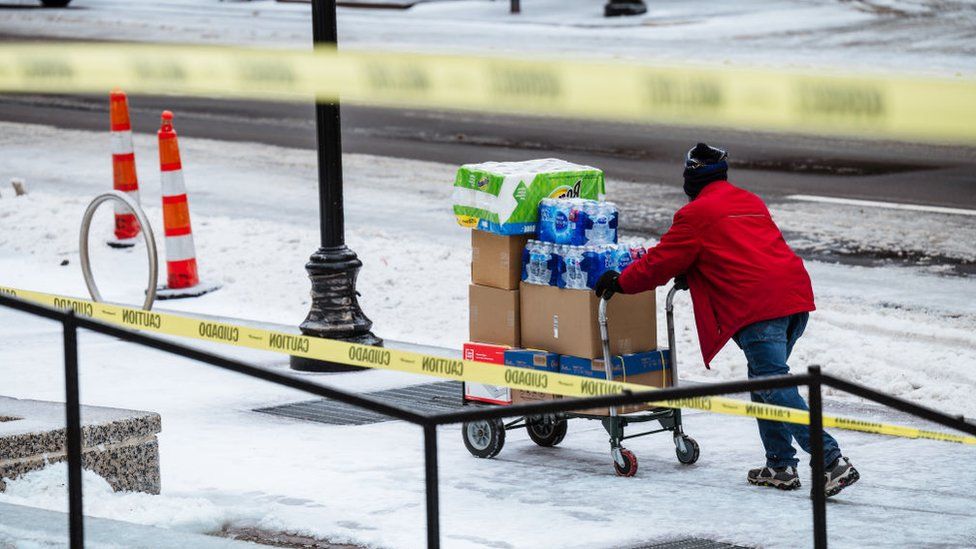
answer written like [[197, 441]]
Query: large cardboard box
[[480, 392], [649, 368], [535, 360], [494, 315], [496, 260], [565, 321]]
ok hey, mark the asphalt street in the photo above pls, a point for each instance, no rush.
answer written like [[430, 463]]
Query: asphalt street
[[772, 165]]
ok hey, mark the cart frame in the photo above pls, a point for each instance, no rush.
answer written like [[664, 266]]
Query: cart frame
[[487, 437]]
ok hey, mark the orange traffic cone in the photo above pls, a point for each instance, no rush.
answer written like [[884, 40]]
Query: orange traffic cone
[[123, 170], [181, 262]]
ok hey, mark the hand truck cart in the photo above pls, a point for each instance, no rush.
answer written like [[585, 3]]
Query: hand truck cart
[[485, 438]]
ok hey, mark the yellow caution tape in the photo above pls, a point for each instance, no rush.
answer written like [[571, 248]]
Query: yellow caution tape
[[415, 363], [890, 106]]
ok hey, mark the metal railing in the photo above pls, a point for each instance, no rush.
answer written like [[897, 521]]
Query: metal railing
[[813, 379]]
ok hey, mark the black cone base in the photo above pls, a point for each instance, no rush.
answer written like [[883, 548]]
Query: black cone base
[[335, 312]]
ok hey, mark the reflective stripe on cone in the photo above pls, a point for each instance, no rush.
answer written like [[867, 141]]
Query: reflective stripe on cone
[[180, 248], [124, 177], [181, 263]]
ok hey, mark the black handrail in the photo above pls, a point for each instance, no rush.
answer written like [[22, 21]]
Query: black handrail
[[814, 379]]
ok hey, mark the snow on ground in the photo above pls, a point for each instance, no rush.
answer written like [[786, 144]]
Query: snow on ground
[[255, 223], [930, 36], [225, 466]]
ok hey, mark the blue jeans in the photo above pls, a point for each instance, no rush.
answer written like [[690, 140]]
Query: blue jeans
[[767, 345]]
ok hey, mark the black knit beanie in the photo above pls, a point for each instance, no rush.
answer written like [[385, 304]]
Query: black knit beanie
[[704, 164]]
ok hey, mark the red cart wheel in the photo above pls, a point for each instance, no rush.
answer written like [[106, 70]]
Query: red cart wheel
[[629, 467]]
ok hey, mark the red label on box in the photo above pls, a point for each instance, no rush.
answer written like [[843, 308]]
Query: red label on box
[[484, 352], [492, 354]]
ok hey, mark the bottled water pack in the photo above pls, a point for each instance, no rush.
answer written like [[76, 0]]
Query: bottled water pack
[[577, 222], [600, 222], [540, 263], [574, 267]]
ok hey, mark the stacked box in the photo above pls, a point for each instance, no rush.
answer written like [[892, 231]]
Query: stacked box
[[493, 299], [565, 322], [494, 315], [651, 368], [480, 392], [533, 360], [496, 260]]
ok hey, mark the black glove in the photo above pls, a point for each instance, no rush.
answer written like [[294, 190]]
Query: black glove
[[608, 285], [681, 282]]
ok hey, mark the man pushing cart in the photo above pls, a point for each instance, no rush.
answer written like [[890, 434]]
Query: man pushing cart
[[747, 285]]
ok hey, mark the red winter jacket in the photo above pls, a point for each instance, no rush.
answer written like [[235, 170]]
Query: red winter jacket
[[739, 268]]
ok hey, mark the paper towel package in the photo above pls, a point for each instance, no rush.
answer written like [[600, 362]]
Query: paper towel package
[[503, 197]]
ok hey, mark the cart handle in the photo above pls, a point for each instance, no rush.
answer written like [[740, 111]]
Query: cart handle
[[669, 303]]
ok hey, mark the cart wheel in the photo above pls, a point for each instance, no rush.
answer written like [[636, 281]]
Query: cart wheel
[[629, 467], [484, 438], [547, 430], [691, 453]]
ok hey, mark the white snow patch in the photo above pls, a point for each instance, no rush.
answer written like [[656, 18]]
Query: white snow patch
[[255, 220]]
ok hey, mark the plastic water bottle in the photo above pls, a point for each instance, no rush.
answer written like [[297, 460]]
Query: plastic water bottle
[[560, 221], [573, 277], [619, 257], [594, 263], [538, 270], [558, 263], [601, 223]]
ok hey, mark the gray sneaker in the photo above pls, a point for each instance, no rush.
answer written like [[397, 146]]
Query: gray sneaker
[[839, 475], [784, 478]]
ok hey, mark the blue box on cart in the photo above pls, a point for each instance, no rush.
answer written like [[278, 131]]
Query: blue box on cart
[[651, 368], [535, 360], [623, 365]]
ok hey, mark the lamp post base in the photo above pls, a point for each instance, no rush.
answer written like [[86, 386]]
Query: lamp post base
[[335, 312]]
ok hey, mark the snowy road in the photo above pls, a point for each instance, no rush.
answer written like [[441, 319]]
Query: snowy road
[[931, 36], [774, 165]]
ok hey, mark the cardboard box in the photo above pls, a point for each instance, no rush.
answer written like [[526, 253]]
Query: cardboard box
[[484, 352], [496, 260], [494, 315], [565, 321], [535, 360], [648, 368], [623, 365], [479, 392]]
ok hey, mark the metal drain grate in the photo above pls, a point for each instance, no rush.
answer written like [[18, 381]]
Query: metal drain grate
[[427, 398], [690, 543]]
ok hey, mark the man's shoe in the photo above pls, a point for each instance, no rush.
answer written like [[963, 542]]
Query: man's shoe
[[839, 475], [784, 478], [616, 8]]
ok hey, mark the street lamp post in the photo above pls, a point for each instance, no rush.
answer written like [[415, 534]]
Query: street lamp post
[[335, 312]]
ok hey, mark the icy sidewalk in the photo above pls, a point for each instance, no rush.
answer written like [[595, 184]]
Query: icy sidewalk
[[254, 209], [254, 214], [226, 466], [22, 526]]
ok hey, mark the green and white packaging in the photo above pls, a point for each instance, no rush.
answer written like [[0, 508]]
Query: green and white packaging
[[503, 197]]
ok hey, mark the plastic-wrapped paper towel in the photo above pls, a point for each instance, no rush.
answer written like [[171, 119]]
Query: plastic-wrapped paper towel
[[503, 197]]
